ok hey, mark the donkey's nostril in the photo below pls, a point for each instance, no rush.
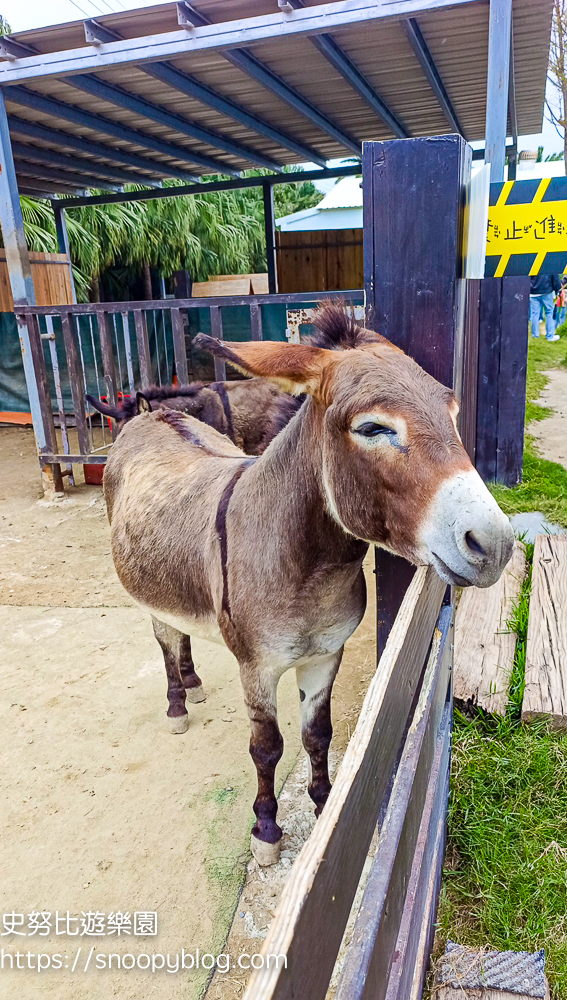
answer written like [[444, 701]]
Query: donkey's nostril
[[473, 544]]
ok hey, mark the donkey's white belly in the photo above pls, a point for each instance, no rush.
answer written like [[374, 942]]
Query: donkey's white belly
[[280, 651], [203, 628]]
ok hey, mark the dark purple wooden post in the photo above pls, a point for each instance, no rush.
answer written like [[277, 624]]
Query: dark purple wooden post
[[502, 372], [414, 192]]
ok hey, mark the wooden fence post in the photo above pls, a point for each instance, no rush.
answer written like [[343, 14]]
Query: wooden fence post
[[502, 369], [414, 192]]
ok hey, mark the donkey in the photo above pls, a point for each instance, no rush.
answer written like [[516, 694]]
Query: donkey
[[251, 413], [266, 553]]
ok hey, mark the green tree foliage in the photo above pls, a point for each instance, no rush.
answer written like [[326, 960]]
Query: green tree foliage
[[217, 233]]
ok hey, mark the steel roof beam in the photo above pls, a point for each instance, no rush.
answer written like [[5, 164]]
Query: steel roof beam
[[245, 61], [497, 85], [33, 130], [116, 95], [31, 191], [344, 65], [221, 37], [427, 63], [42, 155], [36, 170], [11, 49], [258, 71], [205, 188], [50, 106], [97, 34], [512, 109], [511, 150], [192, 88]]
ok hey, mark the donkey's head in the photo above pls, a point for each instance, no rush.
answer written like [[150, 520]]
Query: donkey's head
[[394, 470]]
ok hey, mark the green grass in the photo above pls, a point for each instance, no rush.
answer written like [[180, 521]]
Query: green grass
[[505, 880], [544, 484]]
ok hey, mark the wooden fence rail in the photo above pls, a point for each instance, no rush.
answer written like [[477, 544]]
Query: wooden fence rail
[[116, 348], [394, 776]]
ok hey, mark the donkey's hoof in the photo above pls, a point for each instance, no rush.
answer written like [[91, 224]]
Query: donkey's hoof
[[195, 695], [178, 723], [265, 854]]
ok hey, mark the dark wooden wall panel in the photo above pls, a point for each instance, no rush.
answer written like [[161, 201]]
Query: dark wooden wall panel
[[414, 192], [512, 380], [488, 365], [502, 367]]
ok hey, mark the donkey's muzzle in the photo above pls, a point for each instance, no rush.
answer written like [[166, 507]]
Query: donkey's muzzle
[[468, 538]]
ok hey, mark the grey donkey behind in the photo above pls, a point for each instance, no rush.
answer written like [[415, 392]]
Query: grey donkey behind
[[266, 553]]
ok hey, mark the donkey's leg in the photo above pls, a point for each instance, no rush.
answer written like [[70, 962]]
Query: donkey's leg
[[171, 642], [191, 681], [315, 683], [266, 748]]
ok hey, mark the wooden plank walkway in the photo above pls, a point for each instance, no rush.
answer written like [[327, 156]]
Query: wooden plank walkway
[[545, 692], [484, 646]]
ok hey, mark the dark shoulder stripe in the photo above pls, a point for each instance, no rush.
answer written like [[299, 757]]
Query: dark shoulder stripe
[[220, 389], [179, 422], [220, 524]]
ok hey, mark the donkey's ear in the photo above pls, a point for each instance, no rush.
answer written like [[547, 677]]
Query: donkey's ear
[[142, 403], [296, 368]]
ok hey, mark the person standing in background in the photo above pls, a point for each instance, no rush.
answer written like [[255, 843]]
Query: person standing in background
[[561, 303], [543, 289]]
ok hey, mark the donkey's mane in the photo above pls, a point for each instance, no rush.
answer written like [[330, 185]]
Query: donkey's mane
[[337, 329], [129, 406]]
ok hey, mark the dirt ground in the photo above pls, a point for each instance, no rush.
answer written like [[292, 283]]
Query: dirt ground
[[551, 433], [103, 811]]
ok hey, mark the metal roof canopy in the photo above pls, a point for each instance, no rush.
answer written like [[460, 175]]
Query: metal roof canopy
[[220, 86]]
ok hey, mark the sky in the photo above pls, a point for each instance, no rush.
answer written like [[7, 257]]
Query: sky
[[24, 14]]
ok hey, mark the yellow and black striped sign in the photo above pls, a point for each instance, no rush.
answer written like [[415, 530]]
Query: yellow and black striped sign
[[527, 228]]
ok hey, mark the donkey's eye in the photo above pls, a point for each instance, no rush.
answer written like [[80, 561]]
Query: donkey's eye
[[370, 430]]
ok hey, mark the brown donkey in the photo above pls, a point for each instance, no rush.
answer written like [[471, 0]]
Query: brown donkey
[[267, 553], [250, 412]]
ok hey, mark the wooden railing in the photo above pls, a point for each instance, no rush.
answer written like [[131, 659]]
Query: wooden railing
[[112, 349]]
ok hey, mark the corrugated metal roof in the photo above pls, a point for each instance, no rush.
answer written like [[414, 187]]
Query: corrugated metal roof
[[457, 38]]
